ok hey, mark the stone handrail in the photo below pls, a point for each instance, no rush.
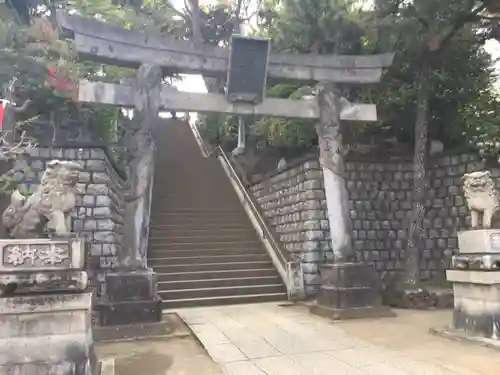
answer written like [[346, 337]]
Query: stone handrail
[[289, 270]]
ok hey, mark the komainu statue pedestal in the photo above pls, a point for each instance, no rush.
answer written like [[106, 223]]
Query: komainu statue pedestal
[[47, 335], [475, 274], [349, 291], [45, 308]]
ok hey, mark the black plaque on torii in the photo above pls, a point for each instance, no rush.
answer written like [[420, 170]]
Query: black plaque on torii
[[247, 69]]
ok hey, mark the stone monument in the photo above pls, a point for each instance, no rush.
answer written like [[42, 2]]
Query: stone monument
[[45, 307], [475, 270]]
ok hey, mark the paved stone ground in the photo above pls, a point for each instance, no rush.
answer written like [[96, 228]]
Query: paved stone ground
[[269, 339], [175, 356]]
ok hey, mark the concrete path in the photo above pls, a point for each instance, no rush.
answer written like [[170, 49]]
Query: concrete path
[[269, 339], [175, 356]]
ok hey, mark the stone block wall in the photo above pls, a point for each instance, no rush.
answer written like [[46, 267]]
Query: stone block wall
[[293, 203], [380, 201], [100, 205], [380, 195]]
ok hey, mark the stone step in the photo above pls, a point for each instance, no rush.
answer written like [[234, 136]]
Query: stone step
[[218, 283], [193, 209], [205, 252], [200, 220], [153, 262], [202, 250], [154, 246], [207, 213], [264, 271], [224, 291], [213, 266], [225, 300], [202, 245], [203, 237], [182, 231], [220, 201], [202, 226]]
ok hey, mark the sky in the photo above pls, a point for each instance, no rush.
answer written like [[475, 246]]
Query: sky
[[194, 83]]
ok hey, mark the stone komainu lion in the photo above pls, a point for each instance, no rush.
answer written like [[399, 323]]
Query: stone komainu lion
[[49, 206], [482, 197]]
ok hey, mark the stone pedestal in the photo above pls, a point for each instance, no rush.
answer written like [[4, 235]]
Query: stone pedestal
[[47, 335], [45, 308], [131, 297], [475, 275], [349, 291]]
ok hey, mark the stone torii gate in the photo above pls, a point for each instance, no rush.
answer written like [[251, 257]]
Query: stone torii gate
[[347, 285]]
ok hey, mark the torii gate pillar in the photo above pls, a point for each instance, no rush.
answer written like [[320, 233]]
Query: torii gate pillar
[[348, 288], [131, 288]]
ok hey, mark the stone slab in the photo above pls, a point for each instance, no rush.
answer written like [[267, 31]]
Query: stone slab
[[70, 347], [348, 290], [486, 324], [46, 281], [479, 241], [453, 334], [50, 368], [348, 297], [475, 277], [476, 261], [348, 274], [129, 285], [42, 254], [352, 313], [477, 315], [128, 312], [134, 332], [18, 305], [47, 334], [108, 366], [480, 292]]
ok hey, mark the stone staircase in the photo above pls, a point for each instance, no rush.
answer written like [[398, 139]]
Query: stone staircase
[[202, 245]]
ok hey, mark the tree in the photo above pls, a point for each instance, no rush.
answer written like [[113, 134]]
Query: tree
[[441, 78], [431, 27], [44, 68]]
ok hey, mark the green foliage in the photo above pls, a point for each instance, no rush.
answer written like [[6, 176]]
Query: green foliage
[[27, 50], [461, 96], [303, 26]]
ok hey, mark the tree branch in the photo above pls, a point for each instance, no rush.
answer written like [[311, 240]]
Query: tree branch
[[460, 22], [196, 21], [490, 18], [22, 108], [238, 9], [178, 12]]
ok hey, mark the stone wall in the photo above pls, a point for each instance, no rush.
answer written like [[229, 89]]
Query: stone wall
[[293, 202], [380, 203], [380, 199], [99, 212]]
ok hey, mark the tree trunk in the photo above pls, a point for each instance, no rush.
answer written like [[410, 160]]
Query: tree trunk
[[414, 241]]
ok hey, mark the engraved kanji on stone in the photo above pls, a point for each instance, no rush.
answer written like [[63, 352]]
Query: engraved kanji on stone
[[29, 254], [15, 256], [53, 255]]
